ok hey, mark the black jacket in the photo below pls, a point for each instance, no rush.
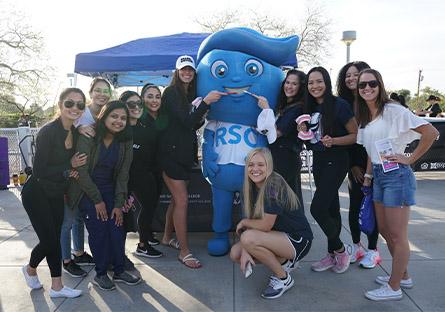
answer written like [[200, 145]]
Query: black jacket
[[182, 120]]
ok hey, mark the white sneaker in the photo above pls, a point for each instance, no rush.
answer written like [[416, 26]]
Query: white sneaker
[[65, 292], [404, 283], [384, 293], [290, 265], [32, 281], [357, 252], [371, 259]]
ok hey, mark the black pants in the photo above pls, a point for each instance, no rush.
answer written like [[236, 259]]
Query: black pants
[[288, 164], [46, 216], [329, 169], [355, 201], [147, 190]]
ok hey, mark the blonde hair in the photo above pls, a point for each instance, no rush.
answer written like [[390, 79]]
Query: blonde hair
[[274, 188]]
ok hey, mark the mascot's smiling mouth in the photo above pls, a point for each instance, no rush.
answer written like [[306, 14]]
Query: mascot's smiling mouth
[[236, 91]]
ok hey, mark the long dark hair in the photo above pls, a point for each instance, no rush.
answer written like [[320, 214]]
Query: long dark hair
[[188, 94], [363, 113], [342, 90], [122, 136], [298, 98], [328, 104]]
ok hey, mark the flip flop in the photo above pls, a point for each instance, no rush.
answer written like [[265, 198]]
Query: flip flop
[[173, 243], [189, 258]]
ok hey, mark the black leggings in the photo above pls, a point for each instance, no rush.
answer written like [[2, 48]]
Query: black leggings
[[147, 190], [329, 169], [46, 215], [288, 164], [355, 201]]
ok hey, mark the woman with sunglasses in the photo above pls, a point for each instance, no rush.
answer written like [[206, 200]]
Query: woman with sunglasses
[[346, 89], [385, 125], [100, 93], [101, 191], [177, 150], [335, 129], [43, 193], [143, 182], [287, 148]]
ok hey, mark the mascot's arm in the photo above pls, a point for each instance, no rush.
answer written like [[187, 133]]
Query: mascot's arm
[[209, 156]]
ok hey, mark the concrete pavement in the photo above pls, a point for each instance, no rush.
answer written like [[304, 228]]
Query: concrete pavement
[[219, 286]]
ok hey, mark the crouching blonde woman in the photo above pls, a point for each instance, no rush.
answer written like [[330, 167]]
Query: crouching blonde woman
[[275, 230]]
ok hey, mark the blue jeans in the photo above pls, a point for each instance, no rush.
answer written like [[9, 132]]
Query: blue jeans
[[72, 222], [396, 188]]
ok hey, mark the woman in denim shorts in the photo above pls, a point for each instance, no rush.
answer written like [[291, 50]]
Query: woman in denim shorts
[[385, 129]]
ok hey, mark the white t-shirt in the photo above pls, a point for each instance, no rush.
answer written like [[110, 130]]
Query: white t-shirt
[[232, 141], [396, 124], [86, 119]]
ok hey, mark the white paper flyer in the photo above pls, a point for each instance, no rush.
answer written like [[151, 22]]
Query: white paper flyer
[[384, 148]]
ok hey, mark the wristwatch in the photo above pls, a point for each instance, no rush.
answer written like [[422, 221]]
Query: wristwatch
[[369, 176]]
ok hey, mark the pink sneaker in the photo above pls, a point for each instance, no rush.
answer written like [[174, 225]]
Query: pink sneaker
[[324, 264], [358, 252], [342, 260]]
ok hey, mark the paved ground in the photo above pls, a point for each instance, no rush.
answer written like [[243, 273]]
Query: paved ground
[[219, 285]]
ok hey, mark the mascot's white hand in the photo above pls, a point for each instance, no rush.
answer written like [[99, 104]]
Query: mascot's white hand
[[266, 124]]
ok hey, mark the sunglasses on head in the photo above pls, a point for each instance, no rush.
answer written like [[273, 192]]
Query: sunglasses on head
[[71, 103], [134, 104], [371, 83]]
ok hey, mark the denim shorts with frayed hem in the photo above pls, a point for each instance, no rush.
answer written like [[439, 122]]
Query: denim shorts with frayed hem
[[396, 188]]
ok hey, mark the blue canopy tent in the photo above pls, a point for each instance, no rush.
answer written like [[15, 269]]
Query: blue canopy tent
[[140, 61]]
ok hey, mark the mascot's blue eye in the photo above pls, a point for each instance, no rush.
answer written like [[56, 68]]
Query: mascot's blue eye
[[219, 69], [253, 67]]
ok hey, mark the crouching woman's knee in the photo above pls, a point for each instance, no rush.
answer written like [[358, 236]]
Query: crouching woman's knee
[[249, 238]]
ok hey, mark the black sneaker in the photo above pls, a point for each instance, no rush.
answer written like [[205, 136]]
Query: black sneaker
[[152, 241], [128, 264], [104, 282], [84, 259], [148, 251], [73, 269], [277, 287], [126, 278]]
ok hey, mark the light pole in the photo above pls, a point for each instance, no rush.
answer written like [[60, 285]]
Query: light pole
[[349, 37]]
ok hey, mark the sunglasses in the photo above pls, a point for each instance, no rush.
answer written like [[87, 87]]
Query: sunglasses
[[134, 104], [371, 83], [71, 103]]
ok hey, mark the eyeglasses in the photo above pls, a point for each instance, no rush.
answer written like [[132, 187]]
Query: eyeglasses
[[71, 103], [134, 104], [371, 83], [102, 91]]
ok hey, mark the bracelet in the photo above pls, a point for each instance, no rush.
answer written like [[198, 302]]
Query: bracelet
[[369, 176]]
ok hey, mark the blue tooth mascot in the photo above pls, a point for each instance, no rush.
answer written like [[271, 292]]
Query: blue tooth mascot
[[237, 60]]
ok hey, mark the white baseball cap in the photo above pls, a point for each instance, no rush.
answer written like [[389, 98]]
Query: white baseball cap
[[185, 60]]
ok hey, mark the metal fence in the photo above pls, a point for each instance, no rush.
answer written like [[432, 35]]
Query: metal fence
[[16, 162]]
